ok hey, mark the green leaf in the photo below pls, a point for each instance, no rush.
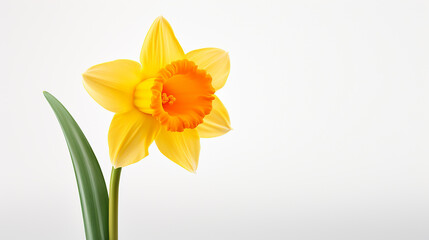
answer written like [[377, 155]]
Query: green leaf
[[92, 187]]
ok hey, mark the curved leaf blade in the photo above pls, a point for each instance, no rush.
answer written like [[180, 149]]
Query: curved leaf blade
[[92, 187]]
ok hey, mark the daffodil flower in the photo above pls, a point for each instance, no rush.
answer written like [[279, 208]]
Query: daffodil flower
[[168, 98]]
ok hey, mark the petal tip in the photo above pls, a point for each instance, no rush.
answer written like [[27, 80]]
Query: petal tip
[[191, 166], [193, 170], [229, 129], [160, 47], [160, 20], [114, 165]]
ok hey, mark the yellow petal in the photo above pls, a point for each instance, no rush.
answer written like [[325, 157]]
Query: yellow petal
[[217, 123], [112, 84], [160, 47], [215, 61], [130, 136], [182, 148]]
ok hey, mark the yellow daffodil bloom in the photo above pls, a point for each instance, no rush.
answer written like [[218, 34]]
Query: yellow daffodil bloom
[[167, 97]]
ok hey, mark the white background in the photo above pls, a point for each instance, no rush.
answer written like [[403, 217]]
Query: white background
[[328, 100]]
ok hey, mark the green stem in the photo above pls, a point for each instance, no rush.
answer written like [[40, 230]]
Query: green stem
[[113, 203]]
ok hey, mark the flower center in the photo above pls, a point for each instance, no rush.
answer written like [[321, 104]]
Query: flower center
[[167, 99], [179, 97]]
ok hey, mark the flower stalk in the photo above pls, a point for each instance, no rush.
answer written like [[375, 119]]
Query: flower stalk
[[113, 203]]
